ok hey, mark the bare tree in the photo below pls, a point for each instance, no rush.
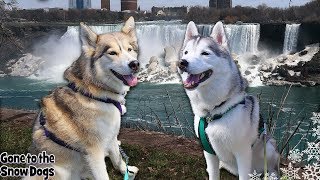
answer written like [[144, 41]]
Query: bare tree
[[6, 35]]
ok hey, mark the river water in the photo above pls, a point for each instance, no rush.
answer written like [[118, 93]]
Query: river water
[[166, 107]]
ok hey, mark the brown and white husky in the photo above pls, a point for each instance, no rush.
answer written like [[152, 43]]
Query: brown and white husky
[[79, 123]]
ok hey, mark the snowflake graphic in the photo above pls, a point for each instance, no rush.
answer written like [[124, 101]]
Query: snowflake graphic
[[272, 176], [315, 118], [316, 132], [255, 176], [295, 155], [313, 151], [312, 172], [291, 172]]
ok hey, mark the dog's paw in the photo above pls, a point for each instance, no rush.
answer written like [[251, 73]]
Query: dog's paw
[[133, 171], [119, 143], [124, 109]]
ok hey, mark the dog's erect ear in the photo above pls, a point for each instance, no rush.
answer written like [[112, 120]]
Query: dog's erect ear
[[129, 27], [87, 36], [219, 35], [191, 31]]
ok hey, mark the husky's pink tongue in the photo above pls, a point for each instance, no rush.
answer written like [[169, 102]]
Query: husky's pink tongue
[[131, 80], [192, 79]]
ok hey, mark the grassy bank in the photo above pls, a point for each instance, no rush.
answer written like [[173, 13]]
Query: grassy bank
[[158, 156]]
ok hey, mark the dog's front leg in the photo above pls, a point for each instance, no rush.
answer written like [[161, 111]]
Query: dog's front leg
[[95, 159], [244, 158], [212, 166], [118, 162]]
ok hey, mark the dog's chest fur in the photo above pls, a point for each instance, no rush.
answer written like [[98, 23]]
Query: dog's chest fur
[[229, 133], [81, 120], [108, 123]]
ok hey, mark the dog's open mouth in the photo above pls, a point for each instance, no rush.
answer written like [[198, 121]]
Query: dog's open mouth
[[129, 80], [194, 80]]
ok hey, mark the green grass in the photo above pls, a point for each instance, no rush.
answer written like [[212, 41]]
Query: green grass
[[15, 140], [152, 163]]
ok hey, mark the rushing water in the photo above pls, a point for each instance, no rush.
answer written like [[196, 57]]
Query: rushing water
[[291, 38], [243, 38], [153, 38], [165, 107]]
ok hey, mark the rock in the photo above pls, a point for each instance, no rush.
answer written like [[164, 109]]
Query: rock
[[153, 59], [153, 64], [282, 59], [247, 72], [291, 73], [302, 53], [25, 66], [171, 58], [171, 55], [254, 60], [301, 69], [266, 67], [155, 72], [2, 74], [173, 67]]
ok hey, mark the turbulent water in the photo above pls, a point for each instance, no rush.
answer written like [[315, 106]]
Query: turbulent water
[[291, 38], [153, 37], [243, 38]]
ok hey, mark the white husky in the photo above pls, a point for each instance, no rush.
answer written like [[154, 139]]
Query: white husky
[[217, 94]]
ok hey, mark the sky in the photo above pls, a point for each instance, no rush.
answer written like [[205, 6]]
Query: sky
[[147, 4]]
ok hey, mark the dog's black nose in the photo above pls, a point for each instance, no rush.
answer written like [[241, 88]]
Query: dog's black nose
[[183, 64], [134, 65]]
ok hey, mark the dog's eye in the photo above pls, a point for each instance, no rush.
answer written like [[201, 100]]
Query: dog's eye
[[129, 49], [112, 53], [186, 52], [205, 53]]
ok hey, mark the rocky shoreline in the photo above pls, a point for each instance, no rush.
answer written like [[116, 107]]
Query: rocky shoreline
[[300, 69], [19, 39]]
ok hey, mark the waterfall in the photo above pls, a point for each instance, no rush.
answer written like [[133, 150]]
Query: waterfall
[[243, 38], [205, 30], [153, 37], [291, 38], [156, 36]]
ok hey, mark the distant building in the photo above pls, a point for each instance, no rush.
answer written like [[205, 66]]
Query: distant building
[[105, 4], [169, 11], [79, 4], [129, 5], [220, 4]]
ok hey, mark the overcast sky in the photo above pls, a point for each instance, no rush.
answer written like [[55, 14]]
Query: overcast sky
[[147, 4]]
